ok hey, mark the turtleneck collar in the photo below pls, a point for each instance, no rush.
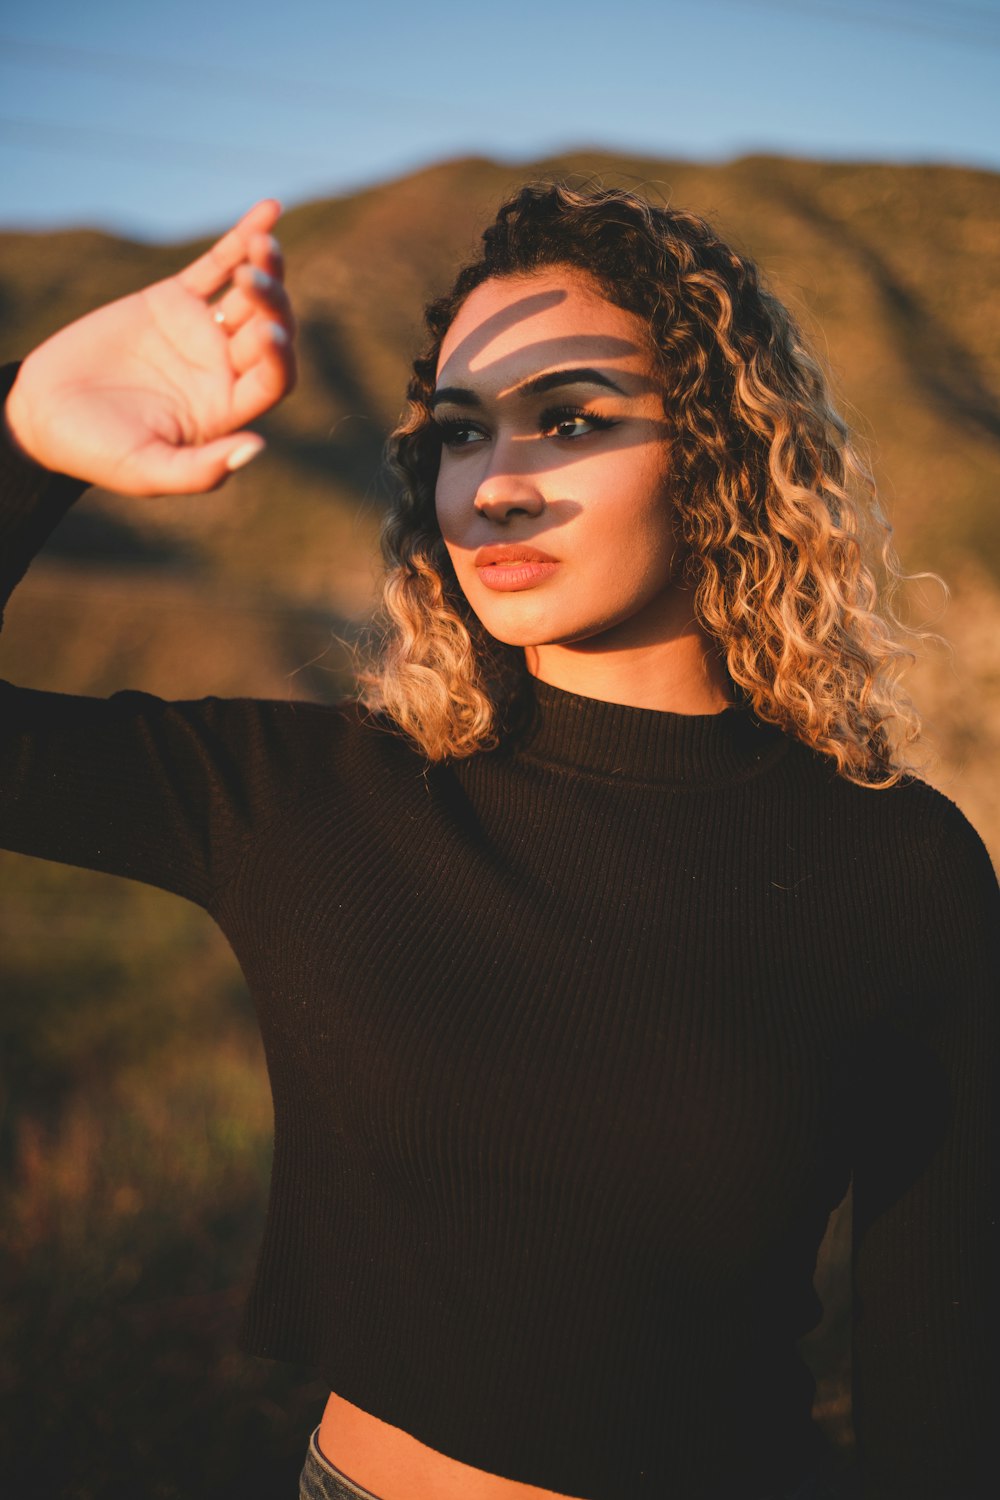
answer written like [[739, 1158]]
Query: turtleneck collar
[[642, 744]]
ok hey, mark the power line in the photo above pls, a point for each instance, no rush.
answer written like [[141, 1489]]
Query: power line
[[932, 22], [195, 77], [130, 145], [962, 9], [977, 25]]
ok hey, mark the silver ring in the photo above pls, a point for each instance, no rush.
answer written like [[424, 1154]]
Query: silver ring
[[218, 316]]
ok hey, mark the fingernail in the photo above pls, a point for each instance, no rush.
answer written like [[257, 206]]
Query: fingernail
[[244, 453], [261, 280], [273, 247], [278, 334]]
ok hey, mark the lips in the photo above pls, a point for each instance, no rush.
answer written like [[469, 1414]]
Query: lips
[[512, 566], [507, 552]]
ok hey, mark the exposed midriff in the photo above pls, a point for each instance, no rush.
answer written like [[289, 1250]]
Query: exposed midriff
[[395, 1466]]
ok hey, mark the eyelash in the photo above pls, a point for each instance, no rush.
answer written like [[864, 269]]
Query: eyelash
[[452, 428]]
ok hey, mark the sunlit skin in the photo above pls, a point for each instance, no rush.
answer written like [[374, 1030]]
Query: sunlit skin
[[606, 618], [555, 436], [395, 1466]]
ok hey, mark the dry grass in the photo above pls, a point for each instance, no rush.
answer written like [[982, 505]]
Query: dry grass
[[130, 1221]]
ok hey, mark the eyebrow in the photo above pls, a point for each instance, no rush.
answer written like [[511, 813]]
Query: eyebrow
[[536, 386]]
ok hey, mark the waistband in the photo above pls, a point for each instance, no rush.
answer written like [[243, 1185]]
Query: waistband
[[322, 1480]]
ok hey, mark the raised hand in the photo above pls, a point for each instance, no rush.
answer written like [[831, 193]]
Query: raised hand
[[151, 394]]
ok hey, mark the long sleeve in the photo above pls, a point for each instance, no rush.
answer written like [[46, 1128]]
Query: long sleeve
[[925, 1202], [32, 503], [129, 785]]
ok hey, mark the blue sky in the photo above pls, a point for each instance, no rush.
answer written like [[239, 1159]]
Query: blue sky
[[167, 121]]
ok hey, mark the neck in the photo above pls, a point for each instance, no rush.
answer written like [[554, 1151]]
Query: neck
[[682, 674]]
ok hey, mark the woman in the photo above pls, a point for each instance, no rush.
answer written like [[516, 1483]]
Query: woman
[[612, 939]]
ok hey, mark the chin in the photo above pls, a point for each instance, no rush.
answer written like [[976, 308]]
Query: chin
[[526, 639], [514, 632], [526, 624], [522, 639]]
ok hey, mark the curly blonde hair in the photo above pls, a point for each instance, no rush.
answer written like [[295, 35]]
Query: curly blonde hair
[[778, 513]]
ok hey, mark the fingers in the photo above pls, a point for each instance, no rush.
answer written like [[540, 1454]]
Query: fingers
[[256, 319], [210, 272], [256, 292], [169, 470], [254, 341], [264, 251], [268, 376]]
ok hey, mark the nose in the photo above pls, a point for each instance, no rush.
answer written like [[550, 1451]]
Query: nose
[[504, 493], [504, 506]]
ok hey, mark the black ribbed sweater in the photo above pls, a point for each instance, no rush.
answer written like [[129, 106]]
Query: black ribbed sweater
[[574, 1046]]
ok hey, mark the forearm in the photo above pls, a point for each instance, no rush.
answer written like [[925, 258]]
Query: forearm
[[32, 503], [127, 785]]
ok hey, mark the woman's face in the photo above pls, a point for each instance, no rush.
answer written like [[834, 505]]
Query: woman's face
[[553, 492]]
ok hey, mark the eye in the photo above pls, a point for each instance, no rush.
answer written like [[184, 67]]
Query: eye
[[458, 434], [573, 422]]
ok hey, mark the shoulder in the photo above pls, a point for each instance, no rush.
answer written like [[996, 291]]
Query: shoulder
[[935, 818], [947, 891], [923, 826], [906, 852], [290, 737], [910, 819]]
